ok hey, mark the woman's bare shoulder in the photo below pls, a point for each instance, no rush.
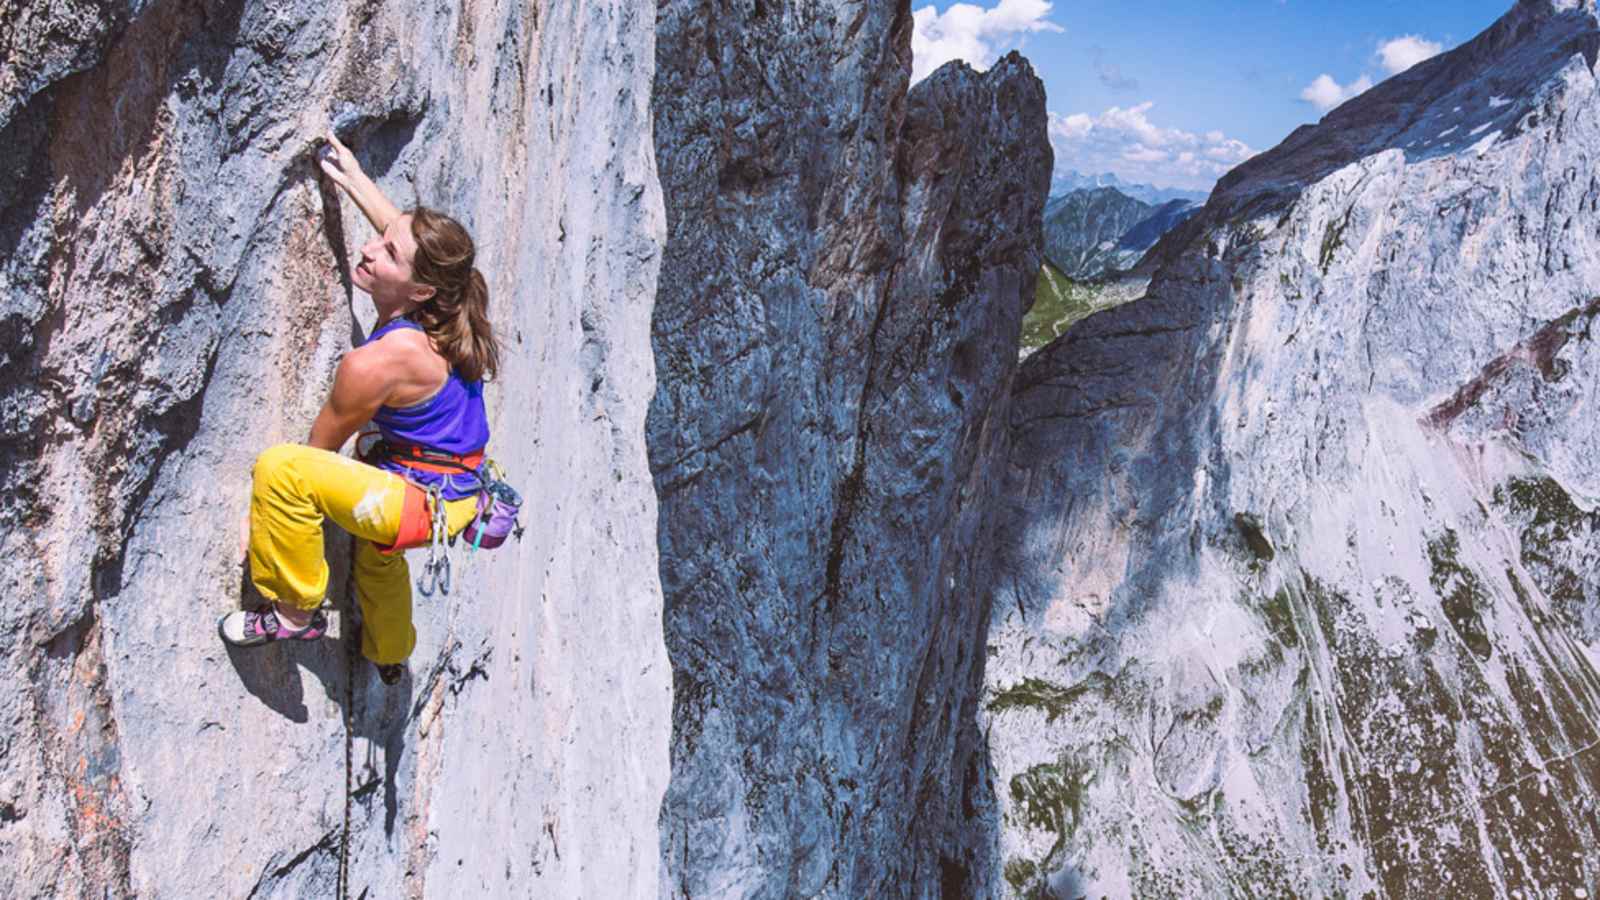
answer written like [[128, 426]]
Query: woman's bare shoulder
[[412, 350], [406, 341]]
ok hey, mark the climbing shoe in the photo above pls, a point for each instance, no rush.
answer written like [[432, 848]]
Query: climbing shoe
[[391, 673], [254, 627]]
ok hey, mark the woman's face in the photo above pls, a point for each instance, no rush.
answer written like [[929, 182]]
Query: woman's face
[[385, 267]]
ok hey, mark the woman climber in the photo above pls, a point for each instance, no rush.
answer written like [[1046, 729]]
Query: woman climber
[[419, 378]]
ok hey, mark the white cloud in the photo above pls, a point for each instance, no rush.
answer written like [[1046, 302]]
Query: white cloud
[[1324, 93], [973, 33], [1401, 53], [1138, 153], [1126, 143], [1395, 55]]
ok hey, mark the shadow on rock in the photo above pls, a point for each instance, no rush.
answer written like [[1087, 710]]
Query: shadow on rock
[[269, 673]]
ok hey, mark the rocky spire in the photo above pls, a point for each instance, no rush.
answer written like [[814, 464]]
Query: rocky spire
[[841, 297]]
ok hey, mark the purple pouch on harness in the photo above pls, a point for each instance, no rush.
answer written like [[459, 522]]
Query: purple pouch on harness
[[496, 522]]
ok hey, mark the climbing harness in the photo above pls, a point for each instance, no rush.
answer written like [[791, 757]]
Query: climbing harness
[[426, 460], [495, 520]]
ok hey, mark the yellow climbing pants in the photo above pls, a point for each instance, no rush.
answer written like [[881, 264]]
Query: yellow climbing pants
[[296, 487]]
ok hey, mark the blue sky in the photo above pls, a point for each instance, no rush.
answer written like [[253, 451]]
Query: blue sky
[[1174, 92]]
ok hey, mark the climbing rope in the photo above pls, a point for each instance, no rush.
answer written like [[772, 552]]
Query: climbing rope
[[352, 643]]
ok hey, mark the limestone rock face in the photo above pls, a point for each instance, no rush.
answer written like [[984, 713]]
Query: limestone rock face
[[1297, 572], [844, 278], [172, 301]]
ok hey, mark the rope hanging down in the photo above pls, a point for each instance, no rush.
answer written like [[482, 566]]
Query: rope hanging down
[[351, 625]]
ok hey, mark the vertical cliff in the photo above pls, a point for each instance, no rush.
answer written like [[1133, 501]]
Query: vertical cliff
[[172, 300], [1298, 580], [844, 277]]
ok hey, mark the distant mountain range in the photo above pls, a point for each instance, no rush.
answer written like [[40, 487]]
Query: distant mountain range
[[1092, 232], [1071, 180]]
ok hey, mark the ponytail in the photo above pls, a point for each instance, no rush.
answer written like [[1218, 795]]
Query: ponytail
[[485, 352], [456, 317]]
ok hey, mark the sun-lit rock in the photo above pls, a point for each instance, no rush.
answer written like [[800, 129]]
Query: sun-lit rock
[[171, 303], [1300, 587]]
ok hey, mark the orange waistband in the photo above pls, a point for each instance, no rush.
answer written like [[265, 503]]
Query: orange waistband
[[442, 463], [416, 526]]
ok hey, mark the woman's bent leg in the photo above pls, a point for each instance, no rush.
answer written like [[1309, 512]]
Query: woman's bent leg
[[295, 488]]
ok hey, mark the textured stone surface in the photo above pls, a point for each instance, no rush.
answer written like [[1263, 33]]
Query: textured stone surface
[[43, 41], [171, 302], [1298, 575], [836, 329]]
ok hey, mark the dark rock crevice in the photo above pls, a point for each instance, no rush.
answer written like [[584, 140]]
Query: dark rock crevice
[[327, 845]]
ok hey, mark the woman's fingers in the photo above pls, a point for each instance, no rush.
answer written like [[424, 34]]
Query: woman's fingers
[[336, 160], [334, 151], [329, 162], [331, 169]]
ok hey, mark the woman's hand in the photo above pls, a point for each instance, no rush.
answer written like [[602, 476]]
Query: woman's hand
[[341, 167], [339, 164]]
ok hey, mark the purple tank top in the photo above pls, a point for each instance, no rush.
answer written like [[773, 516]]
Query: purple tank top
[[452, 420]]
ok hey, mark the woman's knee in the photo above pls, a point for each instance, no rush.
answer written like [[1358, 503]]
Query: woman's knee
[[274, 462]]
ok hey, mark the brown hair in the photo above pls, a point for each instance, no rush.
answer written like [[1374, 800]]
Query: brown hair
[[456, 317]]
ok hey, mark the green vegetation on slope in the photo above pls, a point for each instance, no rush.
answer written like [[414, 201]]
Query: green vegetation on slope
[[1049, 797], [1035, 693], [1461, 592], [1555, 529], [1058, 301]]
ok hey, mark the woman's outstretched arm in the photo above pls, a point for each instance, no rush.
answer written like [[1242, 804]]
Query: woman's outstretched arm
[[342, 169]]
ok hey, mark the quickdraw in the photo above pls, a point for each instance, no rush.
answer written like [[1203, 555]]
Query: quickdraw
[[436, 572]]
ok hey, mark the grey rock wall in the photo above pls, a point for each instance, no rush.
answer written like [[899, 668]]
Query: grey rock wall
[[1298, 584], [172, 301], [44, 41], [844, 277]]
